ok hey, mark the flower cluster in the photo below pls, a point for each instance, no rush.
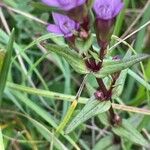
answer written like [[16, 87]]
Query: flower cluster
[[76, 25], [105, 10], [65, 25]]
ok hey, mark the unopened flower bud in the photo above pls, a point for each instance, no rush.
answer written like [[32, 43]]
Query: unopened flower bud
[[83, 34], [99, 95], [117, 120]]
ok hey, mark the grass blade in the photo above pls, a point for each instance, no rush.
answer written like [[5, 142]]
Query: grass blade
[[6, 64], [127, 131], [1, 141], [91, 109], [2, 55]]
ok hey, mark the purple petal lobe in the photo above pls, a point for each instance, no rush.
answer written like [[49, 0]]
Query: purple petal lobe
[[54, 29], [58, 18], [80, 2], [63, 25], [118, 9], [107, 9], [64, 4], [53, 3], [67, 2]]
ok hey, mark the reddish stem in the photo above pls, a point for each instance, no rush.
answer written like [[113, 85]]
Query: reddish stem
[[102, 86]]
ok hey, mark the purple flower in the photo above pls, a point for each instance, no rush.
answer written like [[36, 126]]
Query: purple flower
[[64, 4], [63, 25], [107, 9]]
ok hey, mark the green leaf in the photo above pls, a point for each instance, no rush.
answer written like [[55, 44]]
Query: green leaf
[[1, 141], [2, 55], [104, 119], [119, 85], [104, 143], [109, 66], [91, 109], [84, 45], [116, 66], [6, 64], [72, 57], [49, 136], [129, 132], [67, 116], [95, 56], [51, 36], [43, 113]]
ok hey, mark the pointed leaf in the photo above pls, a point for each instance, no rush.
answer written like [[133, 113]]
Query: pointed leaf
[[127, 131], [104, 143], [1, 141], [48, 135], [2, 55], [84, 45], [95, 56], [71, 56], [91, 109], [115, 66], [119, 85], [67, 116], [6, 64], [56, 38], [109, 66]]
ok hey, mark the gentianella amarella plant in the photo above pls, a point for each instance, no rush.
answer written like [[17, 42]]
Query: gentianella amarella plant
[[87, 27]]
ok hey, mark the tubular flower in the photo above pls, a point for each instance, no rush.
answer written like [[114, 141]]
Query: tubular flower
[[107, 9], [106, 12], [64, 4], [63, 25]]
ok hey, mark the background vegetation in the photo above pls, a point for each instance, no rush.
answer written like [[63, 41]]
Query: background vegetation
[[41, 85]]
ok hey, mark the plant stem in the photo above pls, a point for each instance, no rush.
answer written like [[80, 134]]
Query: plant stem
[[114, 118], [102, 86]]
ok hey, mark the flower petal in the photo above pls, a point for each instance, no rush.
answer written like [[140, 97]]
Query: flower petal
[[118, 8], [54, 29], [58, 18], [104, 9], [53, 3], [67, 4], [80, 2], [64, 4], [107, 9]]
